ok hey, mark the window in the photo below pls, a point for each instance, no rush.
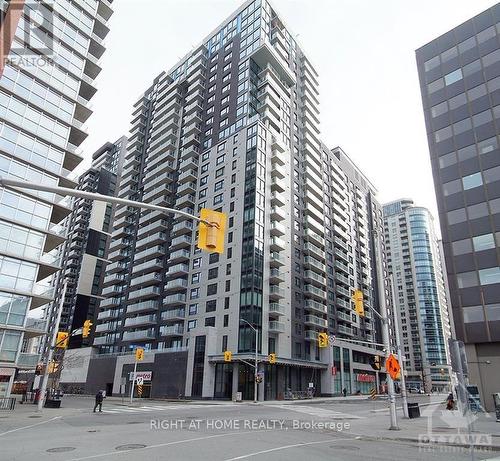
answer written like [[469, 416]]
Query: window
[[487, 145], [431, 63], [486, 34], [219, 185], [467, 279], [462, 126], [219, 172], [213, 258], [224, 343], [456, 216], [223, 122], [196, 263], [447, 160], [210, 322], [228, 285], [492, 175], [472, 180], [483, 242], [435, 86], [482, 118], [439, 109], [226, 88], [452, 187], [211, 289], [195, 293], [226, 320], [211, 305], [473, 314], [489, 276], [442, 134], [193, 309], [461, 247], [457, 101], [218, 199], [449, 54], [203, 180], [472, 68], [220, 159], [477, 211], [191, 325], [466, 152], [195, 278], [213, 273], [226, 78]]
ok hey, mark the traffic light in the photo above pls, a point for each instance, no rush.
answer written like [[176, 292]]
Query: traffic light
[[272, 358], [375, 362], [228, 356], [53, 367], [87, 325], [211, 238], [322, 339], [357, 297], [258, 379], [139, 354], [62, 339]]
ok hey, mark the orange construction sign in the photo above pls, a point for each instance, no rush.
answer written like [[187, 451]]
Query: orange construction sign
[[392, 366]]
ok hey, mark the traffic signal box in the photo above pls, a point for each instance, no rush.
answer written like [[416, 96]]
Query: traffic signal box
[[139, 354], [323, 339], [62, 339], [87, 325], [228, 356], [272, 358], [375, 362], [357, 297], [211, 238]]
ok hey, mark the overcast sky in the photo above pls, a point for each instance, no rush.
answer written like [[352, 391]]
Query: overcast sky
[[363, 50]]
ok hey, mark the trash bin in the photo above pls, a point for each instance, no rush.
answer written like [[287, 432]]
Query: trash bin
[[53, 403], [413, 410]]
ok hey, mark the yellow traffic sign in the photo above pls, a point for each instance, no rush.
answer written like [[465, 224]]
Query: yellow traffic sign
[[392, 366]]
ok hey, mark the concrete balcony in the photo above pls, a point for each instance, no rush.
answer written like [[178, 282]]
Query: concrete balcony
[[277, 214], [316, 306], [277, 229], [311, 335], [317, 252], [183, 241], [176, 285], [148, 266], [277, 199], [276, 327], [277, 184], [41, 295], [275, 260], [144, 306], [109, 314], [139, 335], [314, 264], [183, 227], [156, 238], [277, 244], [178, 269], [111, 302], [179, 255], [345, 317], [143, 293], [276, 293], [312, 320], [152, 278], [172, 330], [315, 238], [140, 321], [276, 309], [173, 300], [149, 253], [315, 278], [313, 292], [174, 314], [35, 327], [344, 330], [276, 276]]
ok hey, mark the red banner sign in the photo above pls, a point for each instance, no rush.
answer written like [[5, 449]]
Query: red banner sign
[[365, 378]]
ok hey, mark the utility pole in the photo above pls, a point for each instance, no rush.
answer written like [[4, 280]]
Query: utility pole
[[133, 382], [384, 315], [400, 353], [256, 365], [50, 351]]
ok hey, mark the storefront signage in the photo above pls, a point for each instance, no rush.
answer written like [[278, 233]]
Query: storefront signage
[[334, 370], [365, 378], [145, 375]]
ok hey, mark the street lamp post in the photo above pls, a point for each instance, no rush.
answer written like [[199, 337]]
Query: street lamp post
[[255, 384]]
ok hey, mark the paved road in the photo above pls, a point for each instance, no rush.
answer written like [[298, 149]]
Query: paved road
[[206, 431]]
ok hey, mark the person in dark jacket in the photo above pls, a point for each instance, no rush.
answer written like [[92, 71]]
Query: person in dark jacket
[[344, 392], [98, 401], [450, 402]]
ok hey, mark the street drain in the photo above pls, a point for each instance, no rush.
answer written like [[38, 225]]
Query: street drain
[[130, 446], [345, 447], [35, 416], [60, 449], [94, 430], [134, 422]]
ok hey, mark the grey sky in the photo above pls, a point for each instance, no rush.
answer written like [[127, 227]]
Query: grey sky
[[363, 50]]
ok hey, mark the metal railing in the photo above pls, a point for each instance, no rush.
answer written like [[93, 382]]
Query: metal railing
[[7, 403]]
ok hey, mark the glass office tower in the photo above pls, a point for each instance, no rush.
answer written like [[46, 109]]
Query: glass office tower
[[460, 85], [49, 68]]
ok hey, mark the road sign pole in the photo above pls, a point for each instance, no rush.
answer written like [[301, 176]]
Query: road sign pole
[[385, 329], [133, 382]]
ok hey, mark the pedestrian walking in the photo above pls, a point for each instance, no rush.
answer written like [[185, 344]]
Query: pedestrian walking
[[450, 402], [98, 401], [344, 392]]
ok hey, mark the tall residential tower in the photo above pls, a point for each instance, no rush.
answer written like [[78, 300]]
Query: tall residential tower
[[45, 89]]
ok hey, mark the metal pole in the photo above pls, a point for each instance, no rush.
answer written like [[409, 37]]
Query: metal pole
[[99, 197], [400, 354], [50, 352], [256, 386], [385, 330], [133, 382]]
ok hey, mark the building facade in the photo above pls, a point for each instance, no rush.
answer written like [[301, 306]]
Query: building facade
[[89, 233], [45, 89], [460, 84], [414, 260], [234, 127]]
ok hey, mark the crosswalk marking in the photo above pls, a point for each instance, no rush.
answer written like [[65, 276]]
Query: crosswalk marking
[[148, 408], [318, 412]]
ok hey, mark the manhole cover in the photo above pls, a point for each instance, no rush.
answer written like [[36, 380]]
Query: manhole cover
[[130, 446], [60, 449], [345, 447], [35, 416], [94, 430]]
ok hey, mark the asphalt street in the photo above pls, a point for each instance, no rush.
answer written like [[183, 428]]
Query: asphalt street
[[153, 430]]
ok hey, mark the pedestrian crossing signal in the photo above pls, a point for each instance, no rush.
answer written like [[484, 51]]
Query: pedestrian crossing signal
[[87, 325], [272, 358], [375, 363], [228, 356]]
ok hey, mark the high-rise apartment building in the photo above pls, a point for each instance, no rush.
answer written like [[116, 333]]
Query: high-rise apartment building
[[234, 126], [460, 84], [414, 260], [89, 232], [45, 89]]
